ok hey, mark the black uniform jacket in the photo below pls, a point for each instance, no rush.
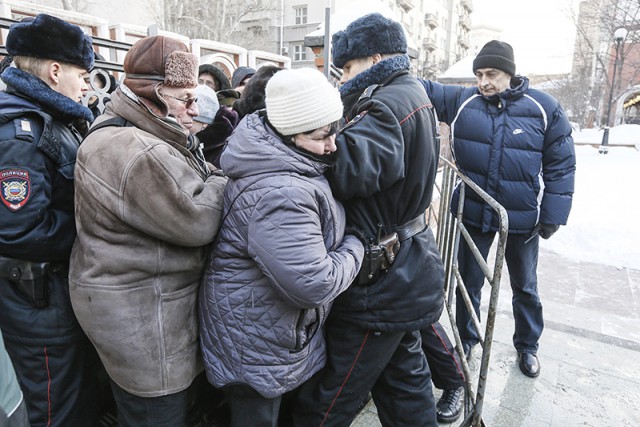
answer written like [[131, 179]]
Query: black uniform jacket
[[385, 172]]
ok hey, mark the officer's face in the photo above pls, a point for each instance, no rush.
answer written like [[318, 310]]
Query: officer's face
[[354, 67], [492, 81], [70, 81]]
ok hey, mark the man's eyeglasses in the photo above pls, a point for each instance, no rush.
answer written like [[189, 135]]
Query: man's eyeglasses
[[187, 102]]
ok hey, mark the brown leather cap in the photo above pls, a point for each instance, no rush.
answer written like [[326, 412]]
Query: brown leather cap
[[159, 59]]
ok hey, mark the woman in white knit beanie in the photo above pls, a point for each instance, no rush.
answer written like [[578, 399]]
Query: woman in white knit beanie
[[281, 256]]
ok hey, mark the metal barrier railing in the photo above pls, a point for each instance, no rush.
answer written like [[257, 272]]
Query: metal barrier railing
[[449, 230]]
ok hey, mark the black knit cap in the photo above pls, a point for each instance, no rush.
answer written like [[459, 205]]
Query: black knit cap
[[48, 37], [496, 54]]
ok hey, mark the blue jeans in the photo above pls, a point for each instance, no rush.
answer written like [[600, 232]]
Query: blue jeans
[[522, 262]]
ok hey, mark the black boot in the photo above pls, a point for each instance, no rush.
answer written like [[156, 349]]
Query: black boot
[[449, 406]]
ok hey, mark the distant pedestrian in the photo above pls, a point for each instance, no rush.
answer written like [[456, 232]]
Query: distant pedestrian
[[241, 77], [211, 75], [515, 143]]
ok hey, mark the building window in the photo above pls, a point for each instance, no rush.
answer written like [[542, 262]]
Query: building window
[[256, 30], [301, 14], [299, 53]]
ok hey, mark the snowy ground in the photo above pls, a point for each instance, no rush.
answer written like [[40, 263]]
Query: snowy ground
[[628, 135], [604, 224]]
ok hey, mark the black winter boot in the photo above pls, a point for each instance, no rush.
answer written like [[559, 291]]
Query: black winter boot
[[449, 407]]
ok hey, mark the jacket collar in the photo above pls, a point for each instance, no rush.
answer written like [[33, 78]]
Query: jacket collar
[[141, 117], [375, 75], [28, 86]]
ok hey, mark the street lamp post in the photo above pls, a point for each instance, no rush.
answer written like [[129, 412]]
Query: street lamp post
[[618, 36]]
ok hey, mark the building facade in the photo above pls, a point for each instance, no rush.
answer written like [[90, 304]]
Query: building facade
[[438, 29]]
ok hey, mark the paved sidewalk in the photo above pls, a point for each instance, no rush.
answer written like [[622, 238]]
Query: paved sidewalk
[[589, 352]]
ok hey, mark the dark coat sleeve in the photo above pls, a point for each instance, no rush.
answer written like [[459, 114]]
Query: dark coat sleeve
[[558, 169], [445, 99], [370, 153]]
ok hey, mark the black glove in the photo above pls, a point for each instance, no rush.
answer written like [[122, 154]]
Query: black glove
[[355, 231], [547, 230]]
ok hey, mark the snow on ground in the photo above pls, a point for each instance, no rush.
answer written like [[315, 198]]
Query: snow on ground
[[604, 224], [618, 135]]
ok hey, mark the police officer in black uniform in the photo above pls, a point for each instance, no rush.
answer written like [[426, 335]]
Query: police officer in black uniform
[[38, 144], [384, 174]]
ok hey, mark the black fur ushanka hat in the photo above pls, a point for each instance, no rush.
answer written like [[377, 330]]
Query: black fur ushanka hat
[[368, 35], [48, 37]]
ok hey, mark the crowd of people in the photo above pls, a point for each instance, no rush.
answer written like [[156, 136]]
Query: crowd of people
[[259, 242]]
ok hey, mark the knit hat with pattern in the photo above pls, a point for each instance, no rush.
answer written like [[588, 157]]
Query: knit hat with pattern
[[301, 100]]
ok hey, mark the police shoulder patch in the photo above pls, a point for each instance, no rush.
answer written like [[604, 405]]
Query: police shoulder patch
[[16, 188]]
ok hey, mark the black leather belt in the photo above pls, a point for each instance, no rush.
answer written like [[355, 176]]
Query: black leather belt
[[411, 227]]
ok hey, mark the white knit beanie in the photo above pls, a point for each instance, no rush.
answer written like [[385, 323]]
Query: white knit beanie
[[301, 100]]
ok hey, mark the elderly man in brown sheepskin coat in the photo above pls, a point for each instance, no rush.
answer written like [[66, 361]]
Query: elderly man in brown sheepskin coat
[[147, 207]]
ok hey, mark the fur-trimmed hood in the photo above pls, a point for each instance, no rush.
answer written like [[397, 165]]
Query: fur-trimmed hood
[[217, 73]]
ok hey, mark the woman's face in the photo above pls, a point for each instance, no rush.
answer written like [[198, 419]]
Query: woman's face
[[321, 141]]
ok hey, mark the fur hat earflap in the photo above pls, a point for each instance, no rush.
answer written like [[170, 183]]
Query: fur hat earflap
[[366, 36], [48, 37], [181, 69]]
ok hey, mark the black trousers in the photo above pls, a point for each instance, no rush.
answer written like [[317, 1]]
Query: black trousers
[[161, 411], [444, 362], [389, 364], [55, 362], [250, 408]]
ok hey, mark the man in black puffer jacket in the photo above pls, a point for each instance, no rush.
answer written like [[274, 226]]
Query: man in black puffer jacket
[[54, 361], [515, 143], [386, 167]]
